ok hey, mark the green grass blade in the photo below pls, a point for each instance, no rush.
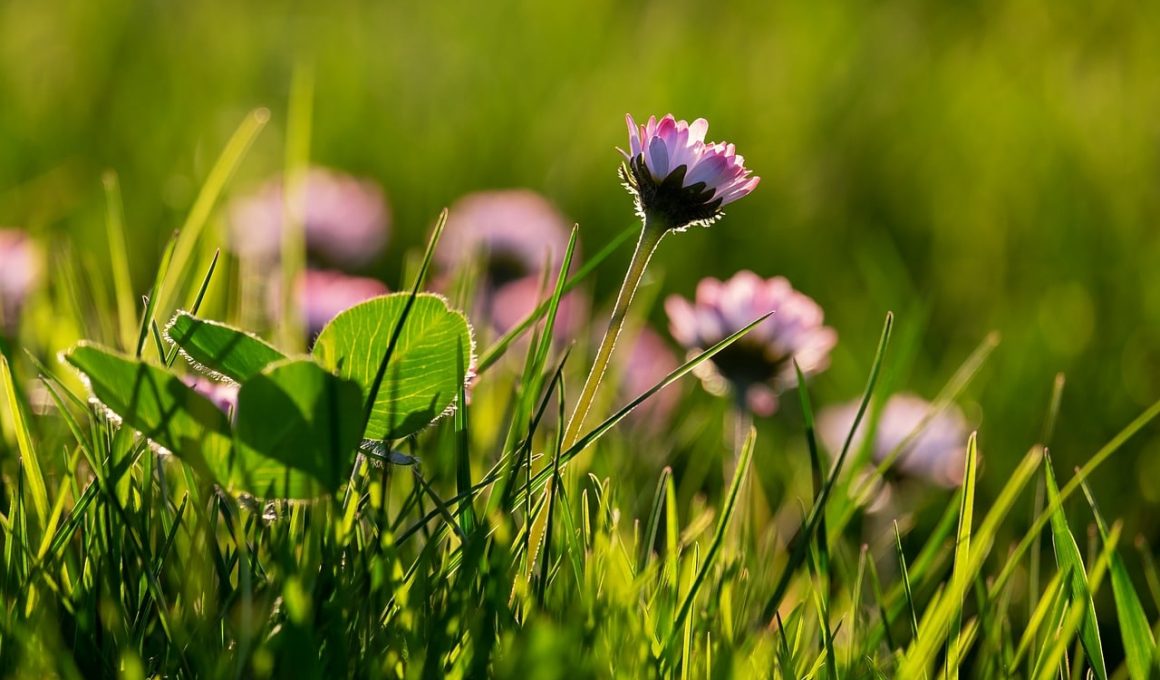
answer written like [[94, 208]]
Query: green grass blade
[[463, 459], [817, 513], [922, 653], [119, 259], [1068, 558], [963, 551], [29, 463], [911, 609], [654, 520], [718, 535], [184, 246], [1078, 614], [497, 349], [152, 297], [1139, 645]]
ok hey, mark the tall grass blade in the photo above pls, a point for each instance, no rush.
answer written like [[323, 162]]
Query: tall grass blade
[[1068, 558], [963, 550], [718, 535], [29, 463], [1139, 645], [119, 259], [190, 232]]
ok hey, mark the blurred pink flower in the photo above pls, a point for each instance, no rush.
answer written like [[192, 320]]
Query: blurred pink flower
[[223, 395], [323, 294], [20, 273], [513, 302], [934, 454], [511, 235], [513, 232], [757, 367], [678, 177], [647, 363], [346, 219]]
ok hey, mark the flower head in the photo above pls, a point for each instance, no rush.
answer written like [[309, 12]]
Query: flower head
[[935, 453], [758, 366], [678, 177], [346, 219], [20, 272], [323, 294]]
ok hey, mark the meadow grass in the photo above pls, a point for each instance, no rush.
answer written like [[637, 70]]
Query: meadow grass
[[494, 544]]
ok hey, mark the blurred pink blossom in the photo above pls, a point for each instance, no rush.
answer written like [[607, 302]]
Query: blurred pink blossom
[[20, 272], [323, 294], [757, 367], [346, 219], [935, 453], [513, 232], [513, 302], [511, 235]]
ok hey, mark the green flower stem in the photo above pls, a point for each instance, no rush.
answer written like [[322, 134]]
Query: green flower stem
[[650, 237]]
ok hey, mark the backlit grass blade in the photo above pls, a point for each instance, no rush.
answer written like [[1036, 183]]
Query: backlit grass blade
[[184, 246], [922, 652], [905, 577], [817, 512], [151, 299], [29, 463], [463, 459], [497, 349], [1078, 614], [1069, 558], [654, 520], [962, 551], [300, 110], [1139, 645], [119, 259], [718, 536], [1095, 461]]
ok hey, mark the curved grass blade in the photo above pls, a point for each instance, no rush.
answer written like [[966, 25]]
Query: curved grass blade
[[1095, 461], [184, 243], [1139, 645], [718, 535], [1068, 557], [817, 513]]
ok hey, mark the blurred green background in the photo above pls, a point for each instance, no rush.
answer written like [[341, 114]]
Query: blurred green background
[[972, 166]]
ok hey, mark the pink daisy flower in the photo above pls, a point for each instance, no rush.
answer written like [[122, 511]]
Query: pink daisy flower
[[758, 367], [677, 177]]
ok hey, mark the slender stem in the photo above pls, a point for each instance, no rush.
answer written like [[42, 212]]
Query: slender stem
[[650, 236]]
